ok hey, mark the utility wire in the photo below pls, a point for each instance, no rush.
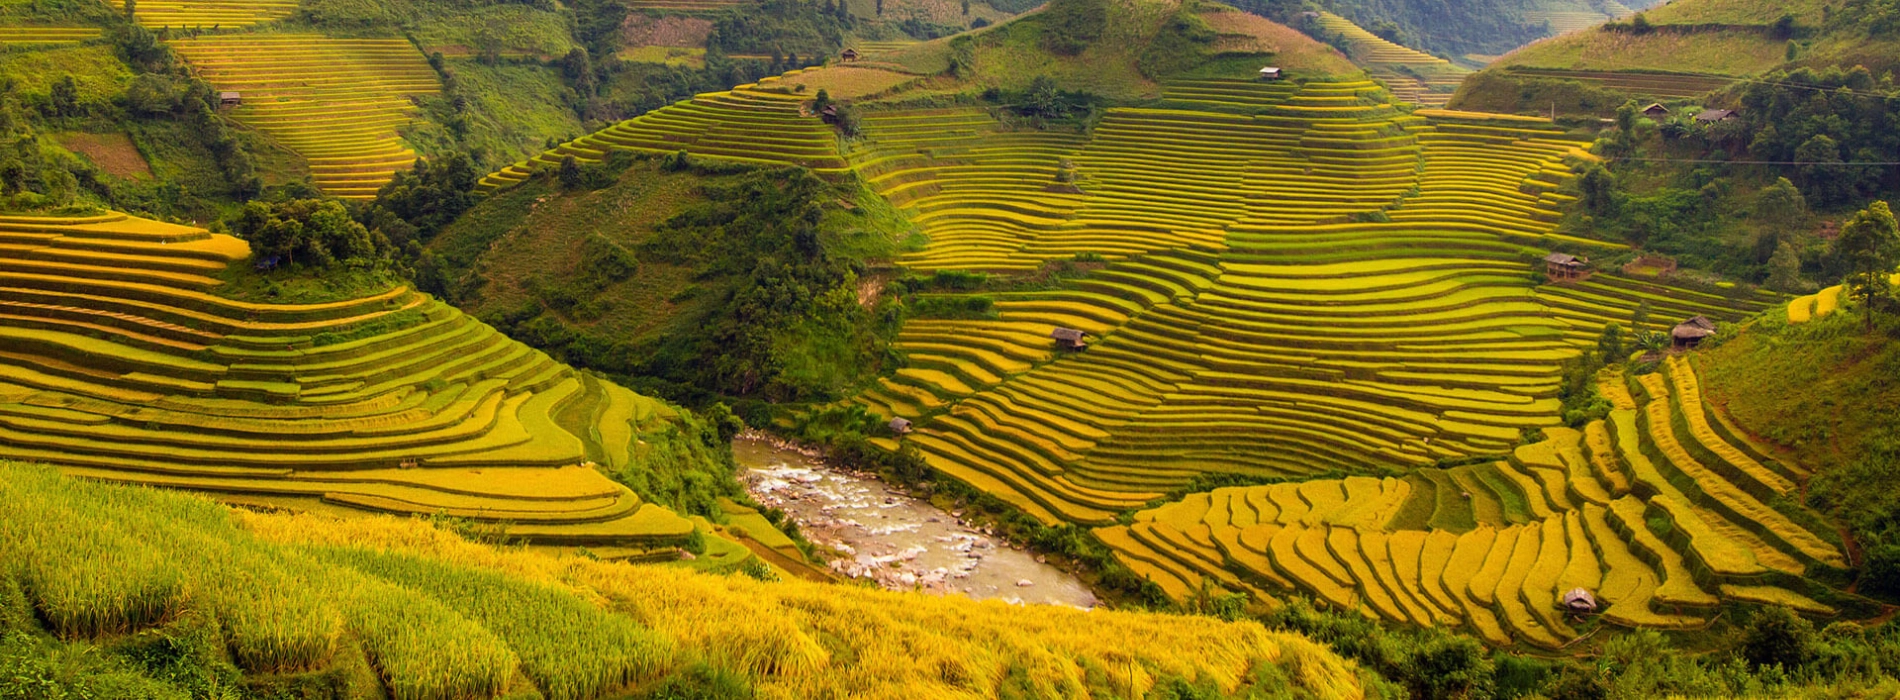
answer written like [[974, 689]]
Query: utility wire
[[1752, 162]]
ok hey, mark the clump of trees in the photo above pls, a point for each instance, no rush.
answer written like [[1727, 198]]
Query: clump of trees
[[1870, 247], [309, 234]]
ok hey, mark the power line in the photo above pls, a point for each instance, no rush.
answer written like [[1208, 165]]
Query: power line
[[1752, 162]]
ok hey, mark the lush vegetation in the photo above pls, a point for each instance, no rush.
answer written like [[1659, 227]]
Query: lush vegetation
[[182, 598], [736, 282]]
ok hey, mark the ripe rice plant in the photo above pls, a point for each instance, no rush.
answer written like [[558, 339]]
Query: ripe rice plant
[[571, 650]]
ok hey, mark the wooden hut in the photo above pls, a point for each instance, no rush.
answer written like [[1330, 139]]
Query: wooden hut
[[1689, 334], [1564, 267], [1069, 338], [849, 55], [1715, 115], [1578, 600], [229, 99], [1656, 109], [1271, 73], [901, 426]]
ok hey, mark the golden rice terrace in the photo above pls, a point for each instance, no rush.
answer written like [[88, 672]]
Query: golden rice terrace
[[1310, 286], [121, 364]]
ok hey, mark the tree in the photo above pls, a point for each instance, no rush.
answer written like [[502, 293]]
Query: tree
[[1870, 248], [570, 172], [1599, 192], [1639, 318], [65, 97], [1610, 343], [1777, 636], [1784, 270], [1782, 210], [315, 233], [1820, 170], [131, 10]]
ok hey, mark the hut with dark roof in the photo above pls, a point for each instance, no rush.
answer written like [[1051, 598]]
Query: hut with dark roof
[[1715, 115], [1069, 338], [1564, 267], [1692, 332]]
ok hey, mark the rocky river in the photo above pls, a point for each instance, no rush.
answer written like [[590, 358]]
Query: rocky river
[[902, 543]]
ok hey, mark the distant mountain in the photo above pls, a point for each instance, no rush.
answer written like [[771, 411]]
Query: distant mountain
[[1681, 51]]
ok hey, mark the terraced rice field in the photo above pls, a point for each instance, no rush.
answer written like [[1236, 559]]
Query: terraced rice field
[[35, 36], [208, 14], [1302, 281], [336, 102], [121, 365], [1821, 303], [693, 6], [748, 124], [1413, 76], [1567, 22], [1656, 85], [1491, 548]]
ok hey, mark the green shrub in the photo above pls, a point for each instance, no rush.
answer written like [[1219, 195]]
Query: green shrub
[[702, 682], [1776, 636]]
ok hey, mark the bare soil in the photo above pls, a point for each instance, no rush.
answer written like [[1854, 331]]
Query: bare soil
[[685, 32], [113, 153]]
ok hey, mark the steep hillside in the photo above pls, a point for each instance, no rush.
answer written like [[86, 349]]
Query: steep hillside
[[1677, 53], [109, 590], [1301, 284], [700, 281], [1463, 30], [125, 364]]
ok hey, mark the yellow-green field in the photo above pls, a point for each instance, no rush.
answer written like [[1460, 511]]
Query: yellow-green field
[[1412, 75], [387, 607], [337, 102], [122, 365], [1292, 281], [1492, 548]]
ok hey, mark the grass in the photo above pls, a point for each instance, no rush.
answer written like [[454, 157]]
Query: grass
[[1725, 52]]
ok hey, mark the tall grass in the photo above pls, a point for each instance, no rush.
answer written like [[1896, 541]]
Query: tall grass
[[148, 557], [569, 648], [795, 639]]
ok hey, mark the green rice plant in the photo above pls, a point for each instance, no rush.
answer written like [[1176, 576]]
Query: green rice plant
[[422, 648], [120, 585], [278, 612]]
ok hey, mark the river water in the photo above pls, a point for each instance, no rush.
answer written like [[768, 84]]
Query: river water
[[902, 543]]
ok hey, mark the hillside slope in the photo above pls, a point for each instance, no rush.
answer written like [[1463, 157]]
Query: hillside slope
[[124, 364], [166, 593], [1678, 52]]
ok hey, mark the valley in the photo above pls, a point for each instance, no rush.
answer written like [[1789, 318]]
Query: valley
[[737, 349]]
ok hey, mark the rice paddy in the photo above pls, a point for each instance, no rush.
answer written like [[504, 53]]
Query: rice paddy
[[1392, 554], [434, 616], [123, 366], [208, 14], [337, 102], [1413, 76]]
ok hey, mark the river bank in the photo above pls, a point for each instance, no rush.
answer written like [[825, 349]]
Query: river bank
[[882, 534]]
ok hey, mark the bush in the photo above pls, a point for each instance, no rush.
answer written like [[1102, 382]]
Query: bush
[[702, 682], [1776, 636]]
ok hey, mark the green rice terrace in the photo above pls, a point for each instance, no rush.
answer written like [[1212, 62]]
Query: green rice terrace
[[1305, 284], [207, 14], [1414, 76], [123, 364], [336, 102]]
